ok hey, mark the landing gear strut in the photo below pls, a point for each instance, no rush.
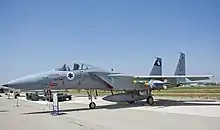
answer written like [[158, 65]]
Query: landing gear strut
[[150, 99], [92, 105]]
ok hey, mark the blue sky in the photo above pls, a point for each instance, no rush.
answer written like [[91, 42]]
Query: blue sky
[[122, 34]]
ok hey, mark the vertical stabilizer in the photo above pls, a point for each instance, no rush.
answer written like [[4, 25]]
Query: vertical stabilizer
[[181, 67], [157, 67]]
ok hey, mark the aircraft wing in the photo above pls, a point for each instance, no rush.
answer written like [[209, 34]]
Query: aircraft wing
[[119, 83], [101, 77], [173, 77], [125, 82]]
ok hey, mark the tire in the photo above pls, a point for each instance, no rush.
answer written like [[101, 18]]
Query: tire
[[150, 100], [92, 105]]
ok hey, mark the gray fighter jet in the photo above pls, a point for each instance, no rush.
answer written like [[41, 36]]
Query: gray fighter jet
[[89, 77]]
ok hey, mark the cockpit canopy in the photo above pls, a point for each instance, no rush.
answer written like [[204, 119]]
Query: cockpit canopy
[[75, 66]]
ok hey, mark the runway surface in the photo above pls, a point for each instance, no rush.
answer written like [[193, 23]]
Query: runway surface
[[167, 114]]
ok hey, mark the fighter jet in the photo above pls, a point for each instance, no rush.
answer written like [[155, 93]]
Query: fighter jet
[[89, 77], [181, 70]]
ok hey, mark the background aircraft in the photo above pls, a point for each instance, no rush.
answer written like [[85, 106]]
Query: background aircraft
[[157, 67], [88, 77], [180, 70]]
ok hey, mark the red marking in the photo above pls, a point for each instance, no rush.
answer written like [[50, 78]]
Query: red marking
[[53, 84]]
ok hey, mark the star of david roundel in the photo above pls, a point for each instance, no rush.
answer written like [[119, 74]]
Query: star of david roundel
[[70, 75]]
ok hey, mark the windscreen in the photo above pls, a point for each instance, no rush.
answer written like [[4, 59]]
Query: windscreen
[[63, 68], [75, 66]]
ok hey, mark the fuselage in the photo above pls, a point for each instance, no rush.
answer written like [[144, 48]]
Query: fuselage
[[74, 79]]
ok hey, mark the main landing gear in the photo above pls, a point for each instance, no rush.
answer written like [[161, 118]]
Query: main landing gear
[[150, 100], [92, 104]]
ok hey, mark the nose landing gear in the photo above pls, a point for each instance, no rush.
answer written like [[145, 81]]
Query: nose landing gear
[[92, 104]]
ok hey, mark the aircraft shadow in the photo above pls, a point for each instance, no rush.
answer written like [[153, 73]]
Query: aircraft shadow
[[169, 103], [4, 111], [159, 103]]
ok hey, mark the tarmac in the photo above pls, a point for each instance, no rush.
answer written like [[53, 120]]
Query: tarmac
[[166, 114]]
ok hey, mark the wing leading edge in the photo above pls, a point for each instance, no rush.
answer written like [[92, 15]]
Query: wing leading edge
[[190, 77]]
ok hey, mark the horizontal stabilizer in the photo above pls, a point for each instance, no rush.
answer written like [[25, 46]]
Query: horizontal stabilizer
[[199, 78]]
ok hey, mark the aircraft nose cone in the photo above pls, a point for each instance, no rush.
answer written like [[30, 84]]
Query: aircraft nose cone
[[12, 84], [5, 85], [20, 83]]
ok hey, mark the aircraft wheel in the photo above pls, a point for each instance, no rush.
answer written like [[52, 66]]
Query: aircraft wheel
[[92, 105], [150, 100]]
